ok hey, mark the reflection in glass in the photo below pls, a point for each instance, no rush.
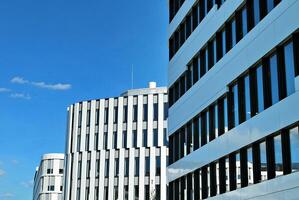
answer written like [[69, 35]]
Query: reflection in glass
[[294, 143], [260, 89], [247, 97], [216, 120], [274, 79], [236, 105], [263, 157], [270, 5], [238, 170], [223, 39], [225, 115], [289, 68], [234, 33], [244, 21], [256, 10], [250, 166], [278, 156]]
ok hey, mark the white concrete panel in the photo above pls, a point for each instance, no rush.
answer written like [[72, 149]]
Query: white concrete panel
[[111, 173], [101, 175], [110, 123], [131, 173], [92, 173], [139, 120], [92, 125], [121, 174], [75, 130], [152, 168], [101, 124], [69, 130], [120, 122], [129, 123], [160, 119], [83, 126], [150, 101], [83, 175], [141, 172], [163, 181], [75, 175]]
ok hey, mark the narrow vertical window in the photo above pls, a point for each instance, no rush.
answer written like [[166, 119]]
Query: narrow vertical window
[[274, 79], [294, 145], [247, 97], [263, 157], [235, 105], [115, 114], [147, 166], [144, 137], [106, 116], [144, 112], [106, 167], [135, 113], [155, 137], [256, 11], [125, 114], [155, 112], [124, 139], [126, 167], [116, 167], [136, 166], [260, 89], [88, 118], [134, 138], [165, 111], [278, 156], [270, 5], [289, 68], [223, 40], [158, 165], [244, 21], [115, 140], [234, 32]]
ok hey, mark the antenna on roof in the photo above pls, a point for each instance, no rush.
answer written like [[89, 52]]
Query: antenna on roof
[[132, 77]]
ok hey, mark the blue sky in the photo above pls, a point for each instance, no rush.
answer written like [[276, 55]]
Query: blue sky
[[54, 53]]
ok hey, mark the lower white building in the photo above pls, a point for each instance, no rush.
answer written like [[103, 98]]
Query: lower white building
[[117, 147], [48, 179]]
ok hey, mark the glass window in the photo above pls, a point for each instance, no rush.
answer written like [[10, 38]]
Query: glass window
[[134, 138], [247, 97], [115, 115], [124, 139], [155, 111], [225, 115], [126, 167], [216, 120], [244, 21], [294, 144], [97, 116], [105, 141], [147, 166], [260, 88], [136, 166], [234, 32], [88, 118], [165, 137], [263, 156], [125, 114], [106, 167], [136, 192], [278, 156], [270, 5], [96, 141], [223, 39], [144, 112], [236, 104], [126, 192], [97, 168], [134, 113], [147, 192], [115, 192], [145, 137], [289, 68], [214, 51], [165, 111], [106, 116], [116, 167], [158, 165], [250, 166], [238, 170], [256, 11], [155, 137], [114, 140], [274, 79], [88, 169]]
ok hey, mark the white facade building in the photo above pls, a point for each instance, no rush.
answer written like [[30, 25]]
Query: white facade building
[[117, 147], [233, 99], [48, 179]]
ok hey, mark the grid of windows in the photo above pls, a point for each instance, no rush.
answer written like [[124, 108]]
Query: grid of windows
[[270, 157], [264, 84], [221, 43], [196, 14]]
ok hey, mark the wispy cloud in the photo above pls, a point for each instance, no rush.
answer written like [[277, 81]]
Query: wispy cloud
[[2, 172], [7, 195], [19, 80], [4, 89], [20, 96], [15, 162], [27, 184], [41, 84]]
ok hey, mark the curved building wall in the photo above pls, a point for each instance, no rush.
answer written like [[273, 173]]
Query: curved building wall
[[117, 147], [48, 179]]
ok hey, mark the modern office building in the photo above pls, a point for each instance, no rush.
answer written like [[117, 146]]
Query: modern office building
[[233, 97], [48, 178], [117, 147]]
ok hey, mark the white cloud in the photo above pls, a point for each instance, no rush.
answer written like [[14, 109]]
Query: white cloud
[[41, 84], [4, 90], [20, 96], [2, 172], [7, 195], [14, 161], [57, 86], [27, 184], [19, 80]]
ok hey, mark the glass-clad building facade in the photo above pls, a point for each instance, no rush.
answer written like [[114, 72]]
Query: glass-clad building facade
[[233, 95]]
